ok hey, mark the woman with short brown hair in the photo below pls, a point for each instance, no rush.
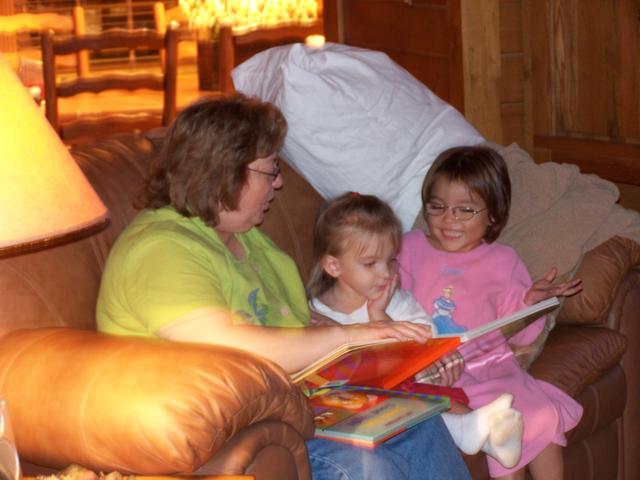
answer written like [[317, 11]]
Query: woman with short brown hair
[[192, 266]]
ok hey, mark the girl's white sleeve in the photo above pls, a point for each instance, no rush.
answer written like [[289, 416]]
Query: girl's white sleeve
[[403, 306]]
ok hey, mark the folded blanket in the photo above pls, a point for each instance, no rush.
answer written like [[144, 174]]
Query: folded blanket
[[558, 214]]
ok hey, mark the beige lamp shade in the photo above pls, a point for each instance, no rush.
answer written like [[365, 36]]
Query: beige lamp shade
[[44, 197]]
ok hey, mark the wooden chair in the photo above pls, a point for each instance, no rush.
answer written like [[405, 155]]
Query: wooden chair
[[104, 120], [13, 25], [230, 39], [162, 18]]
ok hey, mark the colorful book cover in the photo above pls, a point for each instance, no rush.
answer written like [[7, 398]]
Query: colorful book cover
[[369, 416], [380, 364]]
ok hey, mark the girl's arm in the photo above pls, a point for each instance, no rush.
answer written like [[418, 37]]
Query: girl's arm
[[291, 348], [545, 288], [541, 290]]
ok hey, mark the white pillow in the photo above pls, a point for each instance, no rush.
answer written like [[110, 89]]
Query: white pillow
[[357, 120]]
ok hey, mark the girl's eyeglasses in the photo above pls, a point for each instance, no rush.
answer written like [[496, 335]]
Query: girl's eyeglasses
[[459, 213], [274, 174]]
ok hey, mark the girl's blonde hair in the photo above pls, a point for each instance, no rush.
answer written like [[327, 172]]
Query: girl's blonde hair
[[337, 227]]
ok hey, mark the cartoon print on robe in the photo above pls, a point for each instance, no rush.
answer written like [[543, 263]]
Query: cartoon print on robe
[[442, 316]]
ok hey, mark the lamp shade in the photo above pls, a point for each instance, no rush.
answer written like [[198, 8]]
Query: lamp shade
[[44, 196]]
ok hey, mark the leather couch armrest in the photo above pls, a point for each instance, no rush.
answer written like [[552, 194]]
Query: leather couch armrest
[[136, 405], [269, 450], [584, 354], [602, 270]]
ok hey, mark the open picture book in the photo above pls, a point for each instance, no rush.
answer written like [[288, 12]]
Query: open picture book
[[386, 363]]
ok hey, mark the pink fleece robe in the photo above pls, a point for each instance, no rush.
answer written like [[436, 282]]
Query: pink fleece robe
[[464, 290]]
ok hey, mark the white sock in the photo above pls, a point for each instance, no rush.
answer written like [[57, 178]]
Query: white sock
[[470, 431], [505, 437]]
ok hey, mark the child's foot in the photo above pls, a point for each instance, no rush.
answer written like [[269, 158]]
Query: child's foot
[[470, 431], [505, 437]]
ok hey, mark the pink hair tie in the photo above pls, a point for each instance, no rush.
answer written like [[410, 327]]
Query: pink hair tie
[[355, 194]]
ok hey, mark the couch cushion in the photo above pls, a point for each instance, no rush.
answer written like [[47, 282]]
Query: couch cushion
[[116, 169]]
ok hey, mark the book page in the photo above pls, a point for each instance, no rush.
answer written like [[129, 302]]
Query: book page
[[525, 315], [491, 335]]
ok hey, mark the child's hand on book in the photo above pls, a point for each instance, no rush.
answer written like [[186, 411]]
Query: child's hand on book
[[402, 331], [376, 307], [545, 288]]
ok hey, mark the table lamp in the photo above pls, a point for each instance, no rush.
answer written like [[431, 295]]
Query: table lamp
[[44, 197]]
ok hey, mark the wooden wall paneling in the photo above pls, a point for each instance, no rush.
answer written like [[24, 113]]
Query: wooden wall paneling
[[628, 15], [563, 64], [482, 66], [513, 126], [512, 77], [397, 26], [593, 68], [527, 89], [456, 57], [617, 162], [475, 55], [511, 26], [586, 85], [597, 60], [590, 65], [515, 82], [423, 36], [541, 39], [437, 76], [331, 18]]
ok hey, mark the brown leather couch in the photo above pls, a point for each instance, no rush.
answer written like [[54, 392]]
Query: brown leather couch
[[152, 407]]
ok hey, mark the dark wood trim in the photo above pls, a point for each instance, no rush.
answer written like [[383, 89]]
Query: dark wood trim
[[456, 70], [333, 21], [618, 162]]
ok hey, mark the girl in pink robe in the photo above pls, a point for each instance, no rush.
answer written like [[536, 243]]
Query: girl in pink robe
[[464, 280]]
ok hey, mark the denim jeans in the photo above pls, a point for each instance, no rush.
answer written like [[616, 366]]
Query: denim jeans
[[425, 451]]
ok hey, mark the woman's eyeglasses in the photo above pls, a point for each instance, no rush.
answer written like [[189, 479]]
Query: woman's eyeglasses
[[459, 213], [274, 174]]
